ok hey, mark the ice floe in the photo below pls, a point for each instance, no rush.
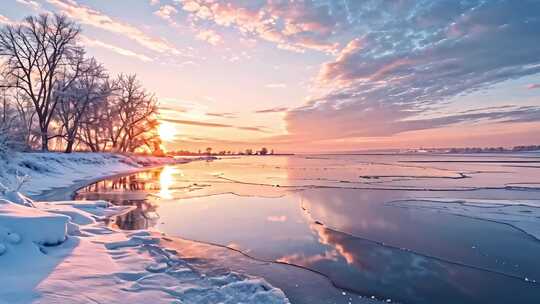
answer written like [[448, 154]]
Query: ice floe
[[521, 214]]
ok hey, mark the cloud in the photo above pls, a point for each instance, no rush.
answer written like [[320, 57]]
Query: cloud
[[379, 119], [213, 140], [89, 16], [172, 109], [222, 115], [291, 25], [276, 85], [272, 110], [533, 86], [257, 129], [504, 107], [196, 123], [277, 218], [125, 52], [209, 36], [412, 58], [211, 124], [30, 3], [5, 20], [166, 12]]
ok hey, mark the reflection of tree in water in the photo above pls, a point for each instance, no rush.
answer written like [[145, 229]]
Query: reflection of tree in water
[[144, 216], [131, 190], [135, 182]]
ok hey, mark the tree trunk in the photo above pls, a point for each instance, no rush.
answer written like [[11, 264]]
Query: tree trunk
[[69, 146], [44, 140]]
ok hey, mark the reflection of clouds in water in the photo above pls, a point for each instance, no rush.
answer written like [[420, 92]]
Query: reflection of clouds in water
[[236, 246], [303, 259], [373, 266], [334, 208], [325, 239], [376, 268]]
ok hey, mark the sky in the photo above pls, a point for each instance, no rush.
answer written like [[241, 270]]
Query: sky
[[322, 75]]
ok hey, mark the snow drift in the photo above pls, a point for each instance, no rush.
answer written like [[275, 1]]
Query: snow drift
[[60, 252]]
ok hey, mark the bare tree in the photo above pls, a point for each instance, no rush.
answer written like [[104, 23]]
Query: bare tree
[[7, 119], [26, 115], [12, 124], [35, 53], [59, 94], [97, 125], [88, 90], [136, 110], [124, 121]]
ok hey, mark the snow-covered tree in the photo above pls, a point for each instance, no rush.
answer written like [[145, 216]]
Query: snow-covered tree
[[136, 111], [35, 53], [11, 125], [89, 89], [56, 95]]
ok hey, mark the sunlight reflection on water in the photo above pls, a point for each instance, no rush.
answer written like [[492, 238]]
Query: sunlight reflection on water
[[166, 180], [331, 214]]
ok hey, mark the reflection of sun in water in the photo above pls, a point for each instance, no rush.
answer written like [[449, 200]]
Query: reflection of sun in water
[[167, 131], [166, 180]]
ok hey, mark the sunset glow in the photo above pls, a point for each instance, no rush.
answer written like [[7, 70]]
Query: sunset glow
[[321, 76], [167, 131], [270, 151]]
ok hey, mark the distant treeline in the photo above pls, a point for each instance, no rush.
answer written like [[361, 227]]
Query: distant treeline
[[209, 151], [495, 149], [53, 96]]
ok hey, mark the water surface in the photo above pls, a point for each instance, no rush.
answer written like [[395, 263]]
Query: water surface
[[344, 217]]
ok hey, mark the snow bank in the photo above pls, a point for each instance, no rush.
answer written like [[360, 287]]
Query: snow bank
[[60, 252], [19, 223], [38, 172]]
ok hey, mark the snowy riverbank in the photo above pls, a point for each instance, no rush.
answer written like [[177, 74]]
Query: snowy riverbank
[[45, 171], [52, 252]]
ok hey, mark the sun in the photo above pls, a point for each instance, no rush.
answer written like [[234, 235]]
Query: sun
[[167, 131]]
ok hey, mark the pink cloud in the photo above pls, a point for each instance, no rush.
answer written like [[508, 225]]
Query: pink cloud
[[276, 218], [287, 25], [30, 3], [276, 86], [210, 36], [6, 20], [89, 16], [116, 49], [166, 12]]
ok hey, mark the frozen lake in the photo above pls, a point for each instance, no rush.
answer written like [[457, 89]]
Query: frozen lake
[[406, 228]]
